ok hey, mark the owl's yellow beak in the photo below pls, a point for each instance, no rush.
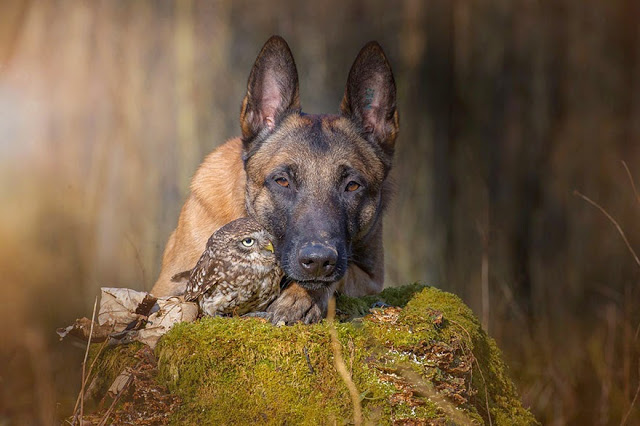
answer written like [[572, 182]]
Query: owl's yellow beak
[[269, 247]]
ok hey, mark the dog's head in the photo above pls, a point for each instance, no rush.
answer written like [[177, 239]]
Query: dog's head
[[316, 182]]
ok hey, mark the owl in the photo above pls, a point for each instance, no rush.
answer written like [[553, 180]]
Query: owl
[[237, 273]]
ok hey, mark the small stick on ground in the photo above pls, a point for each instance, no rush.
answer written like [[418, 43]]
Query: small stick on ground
[[306, 355], [620, 231], [341, 366]]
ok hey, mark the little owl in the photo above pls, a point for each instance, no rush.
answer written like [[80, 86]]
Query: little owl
[[237, 273]]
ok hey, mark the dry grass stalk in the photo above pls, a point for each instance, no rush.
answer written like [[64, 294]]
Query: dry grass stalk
[[80, 399], [426, 389], [633, 185], [615, 223], [341, 366], [105, 418]]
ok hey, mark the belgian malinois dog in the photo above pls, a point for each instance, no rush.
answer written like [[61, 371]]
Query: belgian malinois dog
[[317, 183]]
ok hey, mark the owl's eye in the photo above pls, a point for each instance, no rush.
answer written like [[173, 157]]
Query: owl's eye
[[248, 242], [282, 182], [352, 186]]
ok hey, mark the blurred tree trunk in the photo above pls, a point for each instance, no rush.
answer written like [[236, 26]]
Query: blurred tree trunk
[[630, 41], [437, 90]]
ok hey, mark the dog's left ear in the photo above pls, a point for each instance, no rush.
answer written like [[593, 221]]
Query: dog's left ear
[[272, 89], [370, 97]]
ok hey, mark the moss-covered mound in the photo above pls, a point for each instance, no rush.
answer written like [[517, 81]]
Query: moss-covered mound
[[426, 363]]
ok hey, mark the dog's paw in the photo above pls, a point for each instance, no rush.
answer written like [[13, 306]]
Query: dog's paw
[[296, 304]]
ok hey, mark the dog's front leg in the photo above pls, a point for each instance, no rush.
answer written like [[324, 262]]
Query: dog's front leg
[[298, 304], [358, 283]]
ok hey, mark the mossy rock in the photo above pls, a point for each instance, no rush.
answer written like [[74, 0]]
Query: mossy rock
[[427, 363]]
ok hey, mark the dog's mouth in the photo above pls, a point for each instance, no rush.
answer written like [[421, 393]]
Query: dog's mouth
[[307, 284], [315, 283]]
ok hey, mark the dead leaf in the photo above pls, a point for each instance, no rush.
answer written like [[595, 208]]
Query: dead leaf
[[126, 315], [81, 329], [172, 311], [121, 382], [118, 307]]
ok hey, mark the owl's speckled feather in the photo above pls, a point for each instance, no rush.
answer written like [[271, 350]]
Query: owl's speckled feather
[[237, 273]]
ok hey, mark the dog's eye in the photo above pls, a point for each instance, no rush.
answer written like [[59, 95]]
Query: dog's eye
[[352, 186], [282, 182], [248, 242]]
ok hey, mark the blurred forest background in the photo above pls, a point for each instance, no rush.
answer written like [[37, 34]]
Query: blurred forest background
[[506, 107]]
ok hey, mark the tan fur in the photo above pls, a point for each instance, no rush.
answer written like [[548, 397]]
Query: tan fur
[[216, 198]]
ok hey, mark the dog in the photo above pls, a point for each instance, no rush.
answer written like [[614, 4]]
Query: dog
[[317, 182]]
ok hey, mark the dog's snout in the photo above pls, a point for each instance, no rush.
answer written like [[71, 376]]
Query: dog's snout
[[317, 259]]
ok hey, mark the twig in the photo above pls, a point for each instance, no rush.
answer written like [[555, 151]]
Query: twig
[[620, 231], [84, 362], [484, 278], [633, 185], [340, 365], [95, 359], [306, 355], [80, 399], [104, 419]]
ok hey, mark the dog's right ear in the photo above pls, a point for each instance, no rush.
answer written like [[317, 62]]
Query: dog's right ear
[[370, 97], [272, 90]]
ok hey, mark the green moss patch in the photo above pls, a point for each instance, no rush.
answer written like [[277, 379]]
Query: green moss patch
[[426, 361]]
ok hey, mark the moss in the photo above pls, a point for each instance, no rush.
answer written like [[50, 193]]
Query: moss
[[427, 362], [455, 323], [352, 307], [111, 362], [239, 370]]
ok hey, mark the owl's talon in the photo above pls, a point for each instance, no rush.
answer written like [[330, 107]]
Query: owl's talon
[[263, 315]]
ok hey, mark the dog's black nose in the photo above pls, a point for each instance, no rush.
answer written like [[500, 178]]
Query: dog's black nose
[[317, 259]]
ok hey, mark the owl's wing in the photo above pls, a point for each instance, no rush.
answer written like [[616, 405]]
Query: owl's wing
[[203, 276], [181, 276]]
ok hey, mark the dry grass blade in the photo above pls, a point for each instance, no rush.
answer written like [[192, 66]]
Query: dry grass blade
[[80, 399], [84, 361], [340, 365], [425, 388], [633, 185], [615, 223], [105, 418]]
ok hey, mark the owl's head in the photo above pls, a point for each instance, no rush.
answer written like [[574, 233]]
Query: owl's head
[[239, 245], [245, 237]]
